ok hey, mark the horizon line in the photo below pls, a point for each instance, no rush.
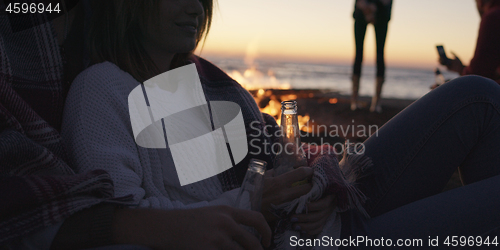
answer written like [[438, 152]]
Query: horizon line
[[338, 62]]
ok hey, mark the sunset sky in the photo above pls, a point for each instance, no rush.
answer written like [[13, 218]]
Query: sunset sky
[[322, 31]]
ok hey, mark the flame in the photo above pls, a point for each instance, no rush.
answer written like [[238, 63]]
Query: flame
[[253, 79], [289, 97], [252, 51], [304, 123], [273, 108], [333, 100]]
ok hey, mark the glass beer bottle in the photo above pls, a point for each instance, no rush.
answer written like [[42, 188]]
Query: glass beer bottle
[[250, 195], [290, 154]]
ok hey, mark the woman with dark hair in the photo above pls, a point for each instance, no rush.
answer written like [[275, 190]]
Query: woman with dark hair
[[137, 35], [130, 42], [413, 155]]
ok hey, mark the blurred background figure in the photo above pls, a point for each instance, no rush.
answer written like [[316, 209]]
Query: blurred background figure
[[486, 60], [378, 13], [439, 79]]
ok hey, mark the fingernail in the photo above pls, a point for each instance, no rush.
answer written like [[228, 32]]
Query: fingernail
[[297, 228], [294, 219]]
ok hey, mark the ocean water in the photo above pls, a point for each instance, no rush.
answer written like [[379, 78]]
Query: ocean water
[[401, 83]]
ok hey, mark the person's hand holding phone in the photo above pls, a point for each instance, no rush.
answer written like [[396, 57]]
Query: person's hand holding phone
[[455, 64], [443, 59]]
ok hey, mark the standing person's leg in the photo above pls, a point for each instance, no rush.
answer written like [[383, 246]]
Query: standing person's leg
[[380, 35], [416, 152], [359, 37]]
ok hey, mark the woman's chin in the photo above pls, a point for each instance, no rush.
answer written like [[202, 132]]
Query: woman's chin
[[185, 48]]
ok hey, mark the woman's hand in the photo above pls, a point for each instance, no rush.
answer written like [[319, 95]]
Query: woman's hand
[[217, 227], [314, 220], [278, 190], [455, 64]]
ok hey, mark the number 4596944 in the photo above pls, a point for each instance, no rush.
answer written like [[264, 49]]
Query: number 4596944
[[470, 241], [32, 8]]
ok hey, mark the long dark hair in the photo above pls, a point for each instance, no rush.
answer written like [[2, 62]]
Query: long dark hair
[[117, 27]]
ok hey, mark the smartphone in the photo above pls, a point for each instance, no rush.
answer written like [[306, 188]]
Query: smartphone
[[442, 55]]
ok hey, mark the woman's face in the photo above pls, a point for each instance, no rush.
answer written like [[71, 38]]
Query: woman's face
[[178, 27]]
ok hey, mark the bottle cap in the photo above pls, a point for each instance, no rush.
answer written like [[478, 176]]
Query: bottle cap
[[257, 165], [289, 105]]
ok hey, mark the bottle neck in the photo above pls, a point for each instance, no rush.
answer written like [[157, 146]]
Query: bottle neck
[[289, 107], [289, 122], [257, 166]]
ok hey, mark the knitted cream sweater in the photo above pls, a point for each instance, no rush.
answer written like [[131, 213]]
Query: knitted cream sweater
[[98, 134]]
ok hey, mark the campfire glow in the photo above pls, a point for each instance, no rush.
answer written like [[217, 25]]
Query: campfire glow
[[273, 106], [333, 100], [274, 109], [253, 79]]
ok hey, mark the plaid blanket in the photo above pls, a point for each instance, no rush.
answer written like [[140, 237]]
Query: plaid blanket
[[37, 188], [330, 177]]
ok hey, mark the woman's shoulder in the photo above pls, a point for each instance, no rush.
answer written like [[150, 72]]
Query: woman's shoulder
[[103, 66], [104, 72], [104, 77], [212, 75]]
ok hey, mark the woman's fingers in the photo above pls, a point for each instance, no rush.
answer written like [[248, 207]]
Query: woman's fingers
[[255, 220], [245, 239], [231, 244], [313, 216], [269, 173], [286, 181], [298, 174], [213, 227], [278, 190], [321, 204], [312, 228], [310, 217], [295, 192], [313, 221]]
